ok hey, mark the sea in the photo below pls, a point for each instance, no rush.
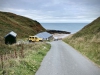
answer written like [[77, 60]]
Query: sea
[[70, 27]]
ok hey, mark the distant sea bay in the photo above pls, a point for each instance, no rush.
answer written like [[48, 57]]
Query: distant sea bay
[[70, 27]]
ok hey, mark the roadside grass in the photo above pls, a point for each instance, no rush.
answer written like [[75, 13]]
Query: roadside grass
[[27, 65], [89, 48]]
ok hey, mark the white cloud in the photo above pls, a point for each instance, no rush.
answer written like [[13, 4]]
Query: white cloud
[[14, 10], [54, 10], [48, 16]]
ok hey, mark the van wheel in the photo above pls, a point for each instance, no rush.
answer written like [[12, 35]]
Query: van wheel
[[41, 40]]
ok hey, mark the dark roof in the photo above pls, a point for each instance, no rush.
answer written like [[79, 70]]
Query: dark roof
[[12, 33], [44, 35]]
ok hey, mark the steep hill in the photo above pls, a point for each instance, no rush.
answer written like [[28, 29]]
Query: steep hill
[[91, 29], [87, 40], [21, 25]]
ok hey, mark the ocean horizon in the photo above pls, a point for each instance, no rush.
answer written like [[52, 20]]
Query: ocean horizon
[[70, 27]]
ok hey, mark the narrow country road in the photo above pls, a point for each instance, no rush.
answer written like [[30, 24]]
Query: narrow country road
[[64, 60]]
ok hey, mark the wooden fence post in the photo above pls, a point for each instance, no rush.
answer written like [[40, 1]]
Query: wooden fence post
[[2, 65], [22, 52], [15, 54], [2, 61]]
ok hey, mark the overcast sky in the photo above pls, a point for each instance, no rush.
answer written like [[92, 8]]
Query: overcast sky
[[68, 11]]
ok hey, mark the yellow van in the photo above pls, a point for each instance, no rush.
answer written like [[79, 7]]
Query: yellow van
[[34, 39]]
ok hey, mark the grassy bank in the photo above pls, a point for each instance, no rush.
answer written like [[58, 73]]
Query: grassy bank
[[27, 64], [87, 41], [87, 48]]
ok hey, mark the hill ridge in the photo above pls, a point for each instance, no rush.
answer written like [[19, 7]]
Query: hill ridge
[[91, 28], [23, 26]]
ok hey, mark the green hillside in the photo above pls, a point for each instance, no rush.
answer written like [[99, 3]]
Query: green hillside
[[87, 40], [20, 59], [21, 25], [91, 29]]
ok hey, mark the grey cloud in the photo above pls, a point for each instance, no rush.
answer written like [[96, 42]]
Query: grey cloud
[[61, 10]]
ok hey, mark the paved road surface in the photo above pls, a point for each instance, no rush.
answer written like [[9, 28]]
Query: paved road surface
[[64, 60]]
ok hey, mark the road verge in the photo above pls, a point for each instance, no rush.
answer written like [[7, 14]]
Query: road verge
[[27, 65]]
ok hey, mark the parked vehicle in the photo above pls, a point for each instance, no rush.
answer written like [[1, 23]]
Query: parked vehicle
[[55, 39], [34, 39]]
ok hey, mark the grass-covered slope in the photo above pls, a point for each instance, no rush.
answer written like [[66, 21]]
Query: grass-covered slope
[[21, 25], [20, 59], [91, 29], [87, 40], [26, 63]]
